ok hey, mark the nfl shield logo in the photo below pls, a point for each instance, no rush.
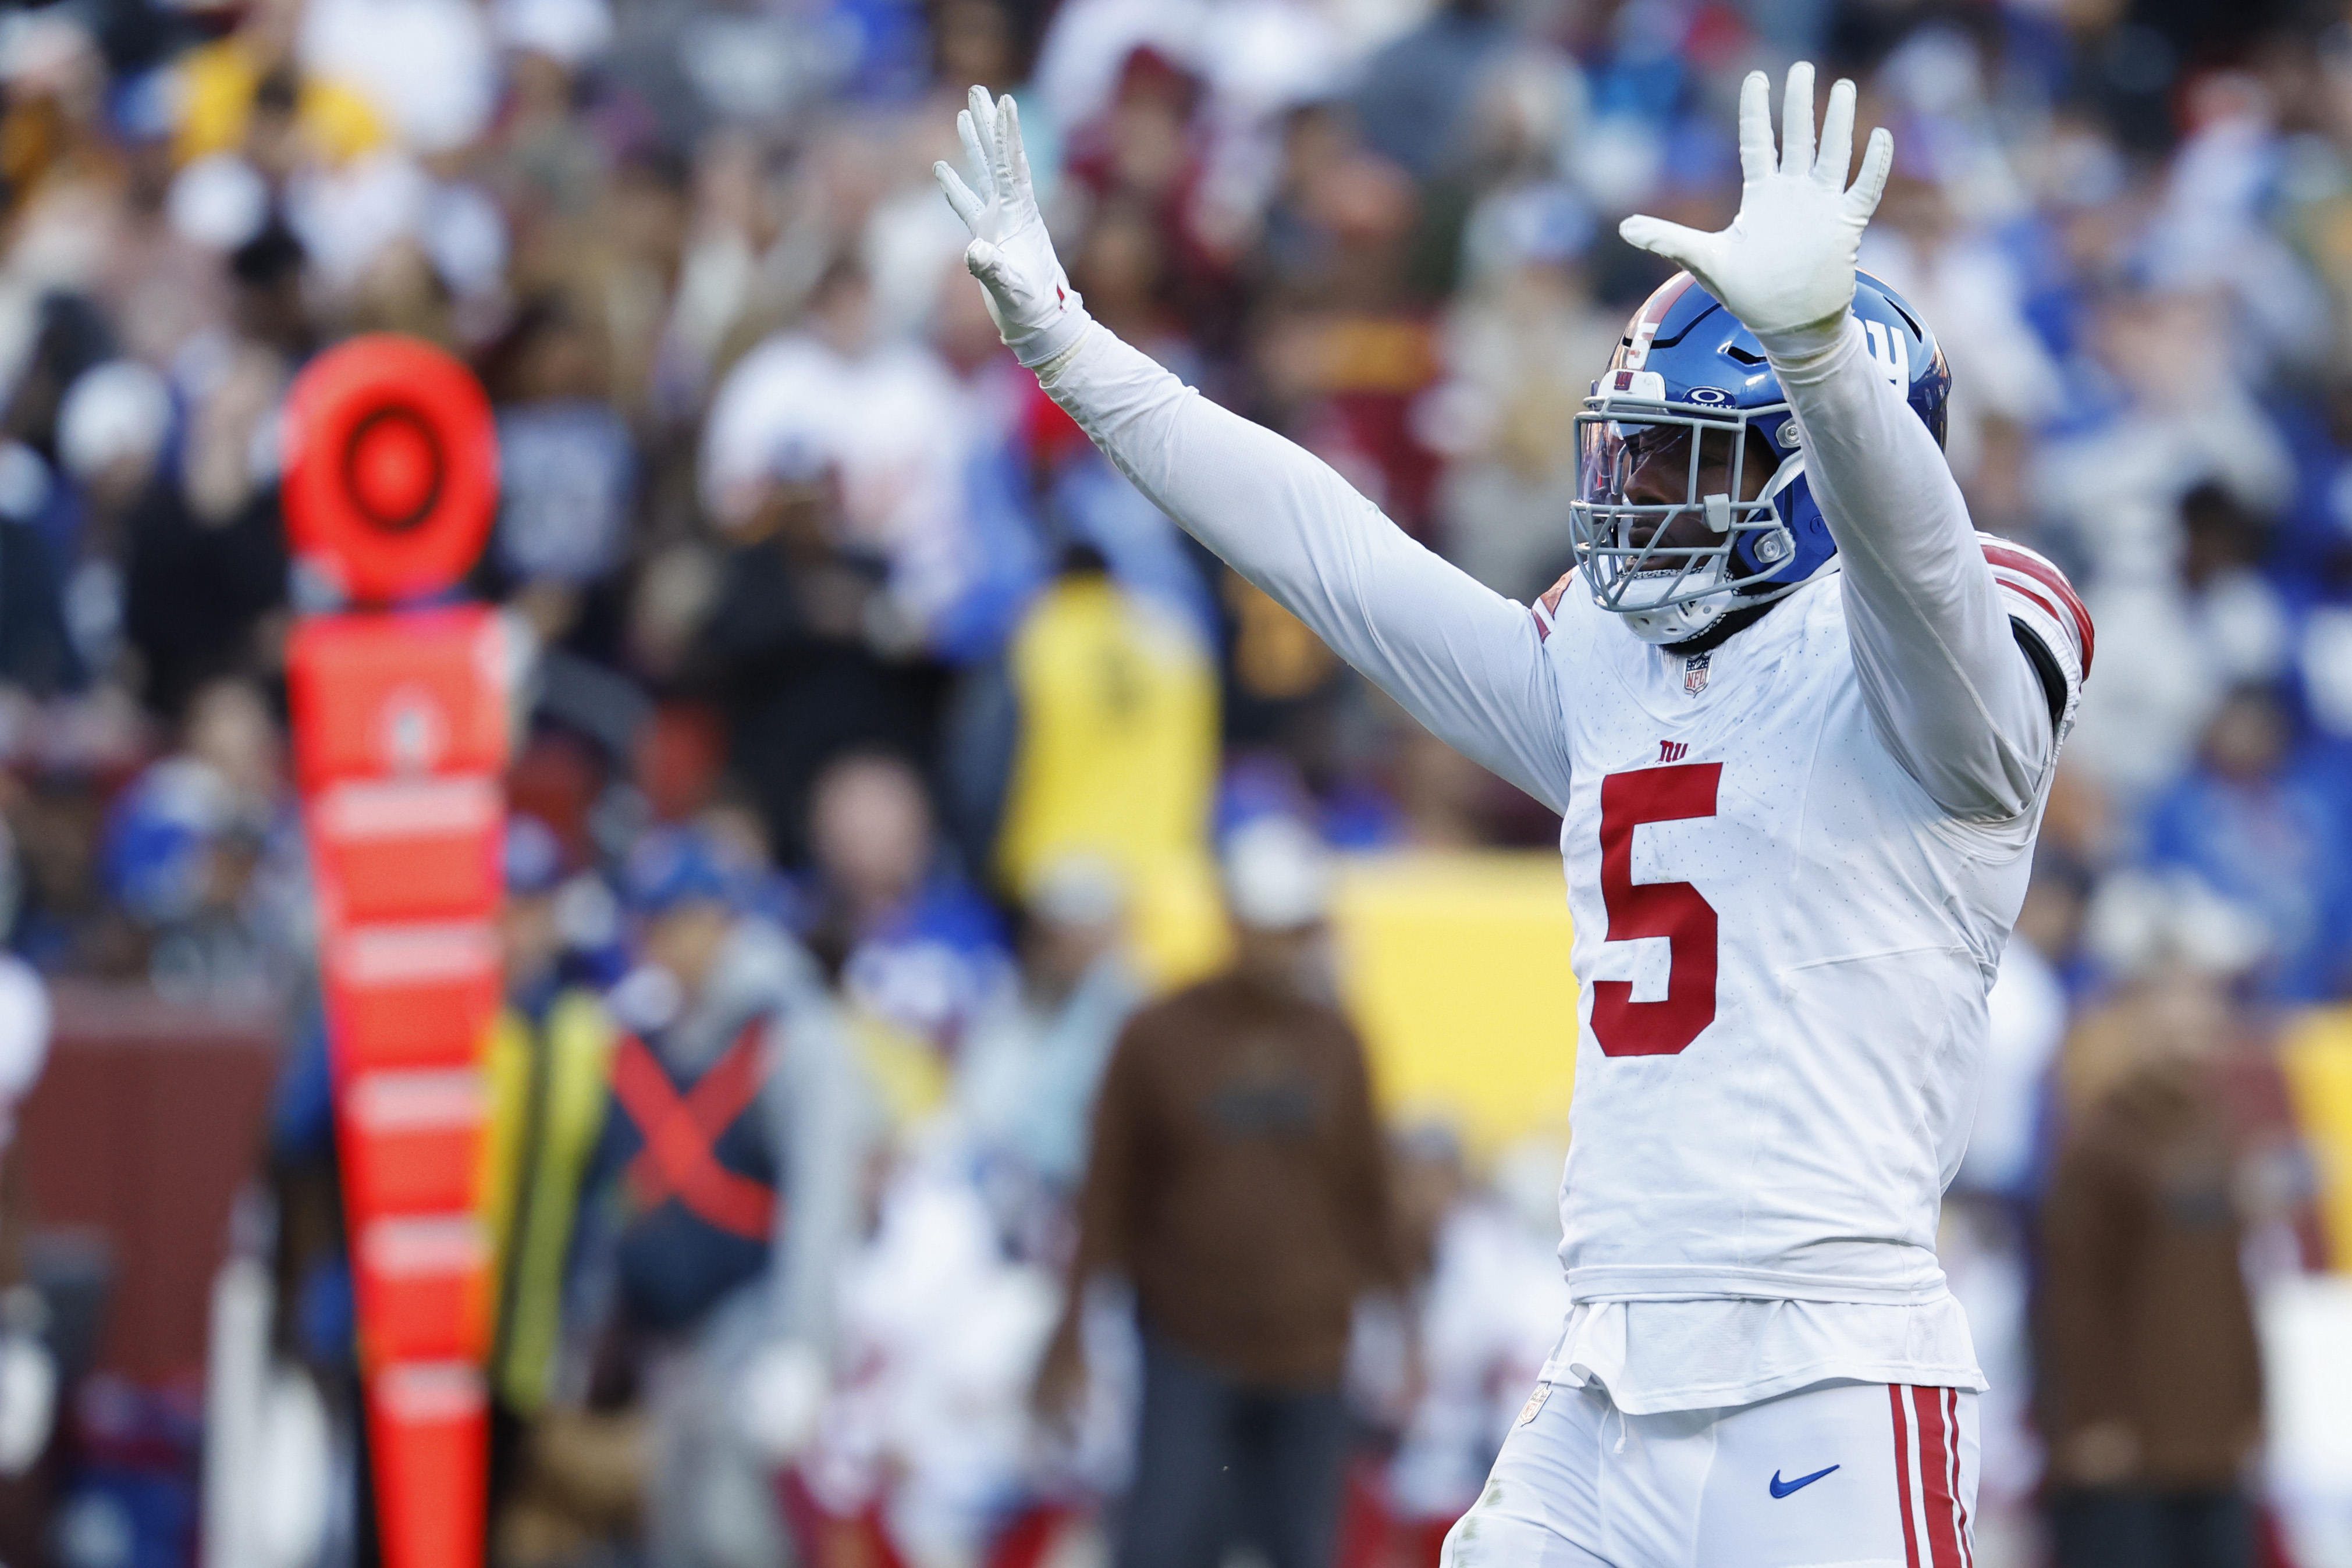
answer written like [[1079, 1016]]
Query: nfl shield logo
[[1694, 673]]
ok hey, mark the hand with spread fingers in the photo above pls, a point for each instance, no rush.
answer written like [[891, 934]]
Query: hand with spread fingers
[[1037, 313], [1787, 260]]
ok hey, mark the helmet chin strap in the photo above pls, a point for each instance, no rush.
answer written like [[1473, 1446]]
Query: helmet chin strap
[[1792, 469]]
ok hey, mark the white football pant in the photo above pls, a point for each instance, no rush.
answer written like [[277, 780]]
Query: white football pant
[[1859, 1475]]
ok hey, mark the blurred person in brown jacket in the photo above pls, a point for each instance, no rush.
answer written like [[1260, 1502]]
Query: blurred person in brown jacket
[[2151, 1384], [1238, 1180]]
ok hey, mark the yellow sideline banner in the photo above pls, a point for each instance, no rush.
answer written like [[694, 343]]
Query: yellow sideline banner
[[2316, 1054], [1455, 965]]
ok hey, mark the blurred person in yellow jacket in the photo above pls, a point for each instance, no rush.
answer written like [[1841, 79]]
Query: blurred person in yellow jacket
[[548, 1063], [1109, 704], [244, 94]]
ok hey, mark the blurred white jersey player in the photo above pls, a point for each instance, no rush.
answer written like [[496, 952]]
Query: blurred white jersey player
[[1800, 721]]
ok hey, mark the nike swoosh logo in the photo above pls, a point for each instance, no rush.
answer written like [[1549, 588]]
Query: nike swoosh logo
[[1783, 1489]]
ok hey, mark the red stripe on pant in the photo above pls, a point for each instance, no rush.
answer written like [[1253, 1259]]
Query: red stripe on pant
[[1960, 1492], [1937, 1450], [1903, 1475]]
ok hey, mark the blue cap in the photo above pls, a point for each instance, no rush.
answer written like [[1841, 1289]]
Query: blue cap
[[671, 866], [535, 861]]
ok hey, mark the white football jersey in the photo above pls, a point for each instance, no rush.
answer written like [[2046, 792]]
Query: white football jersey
[[1782, 951], [1793, 864]]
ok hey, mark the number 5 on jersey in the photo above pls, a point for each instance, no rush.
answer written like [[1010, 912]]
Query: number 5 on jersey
[[1673, 910]]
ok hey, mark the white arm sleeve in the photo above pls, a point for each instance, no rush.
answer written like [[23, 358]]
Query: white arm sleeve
[[1465, 661], [1951, 693]]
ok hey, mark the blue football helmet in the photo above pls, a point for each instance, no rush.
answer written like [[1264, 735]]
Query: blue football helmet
[[1689, 384]]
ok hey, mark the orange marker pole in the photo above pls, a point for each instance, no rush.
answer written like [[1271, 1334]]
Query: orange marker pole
[[400, 740]]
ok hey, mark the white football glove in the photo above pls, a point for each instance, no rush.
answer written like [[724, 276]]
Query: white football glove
[[1037, 313], [1787, 260]]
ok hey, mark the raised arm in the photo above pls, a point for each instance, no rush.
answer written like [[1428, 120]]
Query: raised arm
[[1954, 694], [1960, 700], [1462, 659]]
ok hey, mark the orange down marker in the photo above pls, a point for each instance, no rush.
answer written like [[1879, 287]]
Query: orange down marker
[[400, 739]]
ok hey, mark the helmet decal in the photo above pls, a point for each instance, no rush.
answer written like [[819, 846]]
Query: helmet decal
[[1890, 351], [1641, 333], [1637, 346]]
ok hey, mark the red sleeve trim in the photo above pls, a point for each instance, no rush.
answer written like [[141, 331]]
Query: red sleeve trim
[[2027, 564], [1547, 608]]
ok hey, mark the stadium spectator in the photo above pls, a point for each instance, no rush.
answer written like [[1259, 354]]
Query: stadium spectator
[[1237, 1178], [1488, 1304], [1095, 736], [882, 414], [1036, 1057], [2255, 827], [733, 1154], [918, 949], [2150, 1381], [797, 652], [548, 1063], [201, 853]]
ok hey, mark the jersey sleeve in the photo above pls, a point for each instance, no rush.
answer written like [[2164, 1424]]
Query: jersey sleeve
[[1955, 694], [1465, 661]]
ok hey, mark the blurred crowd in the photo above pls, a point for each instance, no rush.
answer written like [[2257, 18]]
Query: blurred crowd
[[880, 744]]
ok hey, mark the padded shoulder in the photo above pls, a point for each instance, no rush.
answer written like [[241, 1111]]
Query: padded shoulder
[[2051, 625]]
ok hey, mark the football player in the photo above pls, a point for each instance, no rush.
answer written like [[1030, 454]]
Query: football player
[[1800, 721]]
